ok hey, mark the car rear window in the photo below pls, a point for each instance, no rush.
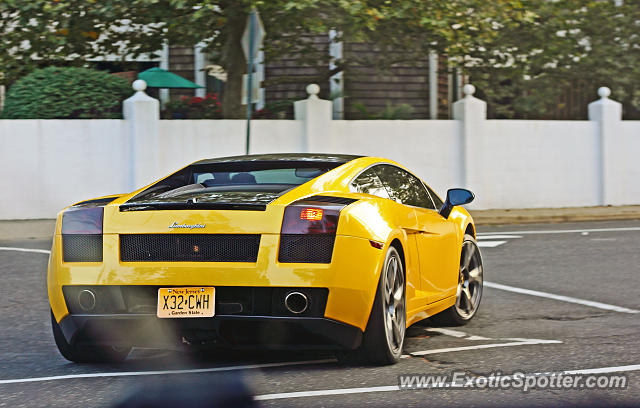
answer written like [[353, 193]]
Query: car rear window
[[271, 177], [294, 176]]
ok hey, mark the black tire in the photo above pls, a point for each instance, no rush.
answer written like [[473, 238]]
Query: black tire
[[469, 287], [86, 354], [379, 346]]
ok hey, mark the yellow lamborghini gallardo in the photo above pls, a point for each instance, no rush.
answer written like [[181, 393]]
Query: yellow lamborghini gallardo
[[272, 251]]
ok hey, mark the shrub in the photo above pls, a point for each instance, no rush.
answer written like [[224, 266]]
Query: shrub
[[275, 110], [66, 93], [194, 107], [402, 111]]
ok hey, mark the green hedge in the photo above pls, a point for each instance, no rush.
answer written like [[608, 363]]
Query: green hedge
[[66, 93]]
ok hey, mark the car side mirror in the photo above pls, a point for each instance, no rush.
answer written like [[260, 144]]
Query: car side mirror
[[456, 196]]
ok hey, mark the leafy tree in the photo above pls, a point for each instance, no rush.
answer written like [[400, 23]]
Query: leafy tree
[[76, 30], [524, 55], [452, 27], [68, 32], [570, 48]]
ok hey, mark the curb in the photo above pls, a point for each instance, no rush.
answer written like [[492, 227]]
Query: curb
[[17, 230]]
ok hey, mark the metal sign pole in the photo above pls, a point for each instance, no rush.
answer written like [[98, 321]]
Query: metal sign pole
[[252, 45]]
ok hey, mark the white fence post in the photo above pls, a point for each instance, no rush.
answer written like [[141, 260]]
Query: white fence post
[[316, 114], [608, 114], [471, 112], [142, 113]]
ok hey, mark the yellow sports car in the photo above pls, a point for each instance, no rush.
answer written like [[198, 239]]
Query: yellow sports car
[[302, 251]]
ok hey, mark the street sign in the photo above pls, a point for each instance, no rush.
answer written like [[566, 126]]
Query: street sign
[[255, 88], [251, 42], [258, 35]]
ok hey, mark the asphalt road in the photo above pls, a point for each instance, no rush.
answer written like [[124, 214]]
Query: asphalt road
[[514, 332]]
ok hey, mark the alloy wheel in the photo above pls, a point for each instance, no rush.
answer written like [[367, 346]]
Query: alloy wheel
[[469, 290], [394, 303]]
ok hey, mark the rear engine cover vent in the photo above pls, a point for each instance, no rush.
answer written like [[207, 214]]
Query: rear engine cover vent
[[329, 199]]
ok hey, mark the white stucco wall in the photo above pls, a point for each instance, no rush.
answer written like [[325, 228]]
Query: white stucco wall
[[625, 169], [46, 165], [49, 164], [184, 141], [527, 163], [181, 142], [430, 148]]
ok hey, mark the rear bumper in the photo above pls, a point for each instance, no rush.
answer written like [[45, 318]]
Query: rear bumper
[[351, 278], [266, 332]]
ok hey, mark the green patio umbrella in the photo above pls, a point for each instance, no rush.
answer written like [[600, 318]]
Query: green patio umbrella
[[161, 78]]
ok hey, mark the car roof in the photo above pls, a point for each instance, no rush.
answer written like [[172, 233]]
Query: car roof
[[293, 157]]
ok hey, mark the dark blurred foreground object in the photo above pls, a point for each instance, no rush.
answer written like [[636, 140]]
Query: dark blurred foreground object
[[215, 392], [66, 93]]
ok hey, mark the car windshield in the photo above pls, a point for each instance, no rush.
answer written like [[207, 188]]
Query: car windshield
[[213, 179]]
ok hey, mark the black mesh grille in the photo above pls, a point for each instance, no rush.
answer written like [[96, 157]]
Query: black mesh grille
[[306, 248], [82, 248], [189, 247]]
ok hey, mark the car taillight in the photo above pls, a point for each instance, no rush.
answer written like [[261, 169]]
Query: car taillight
[[82, 234], [309, 229], [82, 220], [300, 219], [311, 214]]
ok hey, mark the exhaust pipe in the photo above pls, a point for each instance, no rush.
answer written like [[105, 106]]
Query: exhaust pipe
[[296, 302], [87, 300]]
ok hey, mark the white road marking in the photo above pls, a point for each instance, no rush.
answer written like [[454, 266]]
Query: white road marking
[[320, 393], [165, 372], [447, 332], [604, 370], [483, 240], [520, 342], [480, 237], [584, 302], [477, 338], [386, 388], [490, 244], [37, 251], [621, 229], [456, 333]]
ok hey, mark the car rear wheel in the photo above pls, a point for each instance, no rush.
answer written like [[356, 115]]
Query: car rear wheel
[[469, 291], [384, 337], [86, 354]]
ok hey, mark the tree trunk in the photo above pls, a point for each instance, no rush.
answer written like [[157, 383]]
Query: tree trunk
[[236, 64]]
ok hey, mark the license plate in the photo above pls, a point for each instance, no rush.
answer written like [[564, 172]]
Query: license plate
[[186, 302]]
